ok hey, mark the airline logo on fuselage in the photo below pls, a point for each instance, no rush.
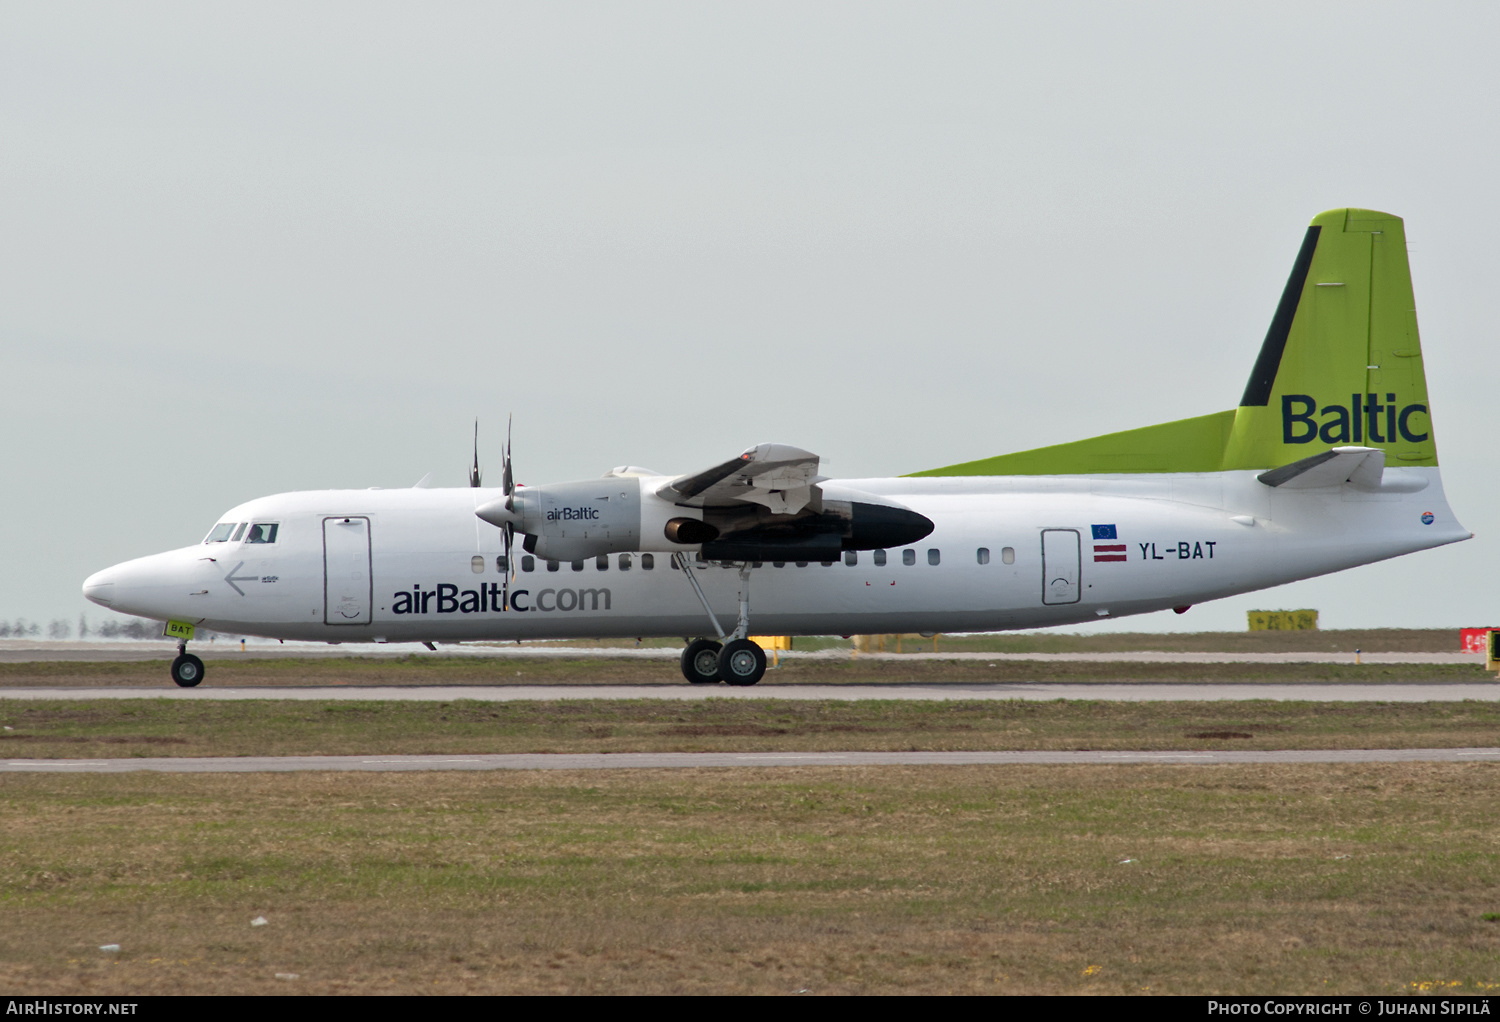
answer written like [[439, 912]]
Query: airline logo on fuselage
[[1365, 419], [489, 598], [573, 514]]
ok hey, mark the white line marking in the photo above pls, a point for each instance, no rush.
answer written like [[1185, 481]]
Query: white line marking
[[58, 762]]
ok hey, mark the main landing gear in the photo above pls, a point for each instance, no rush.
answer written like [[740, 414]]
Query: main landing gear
[[700, 662], [738, 662], [735, 659], [187, 670]]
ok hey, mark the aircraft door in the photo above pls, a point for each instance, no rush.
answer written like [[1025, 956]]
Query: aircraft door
[[347, 592], [1061, 563]]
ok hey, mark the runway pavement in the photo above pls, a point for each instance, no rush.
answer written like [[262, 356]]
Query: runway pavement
[[678, 760], [1136, 692], [34, 650]]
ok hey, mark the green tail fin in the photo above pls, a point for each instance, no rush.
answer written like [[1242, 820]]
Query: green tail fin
[[1341, 364]]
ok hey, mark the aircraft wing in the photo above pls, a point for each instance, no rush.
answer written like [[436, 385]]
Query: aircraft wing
[[779, 477]]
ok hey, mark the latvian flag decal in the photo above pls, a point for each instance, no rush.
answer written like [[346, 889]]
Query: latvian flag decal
[[1105, 547]]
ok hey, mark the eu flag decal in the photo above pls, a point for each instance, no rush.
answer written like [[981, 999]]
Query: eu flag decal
[[1107, 550]]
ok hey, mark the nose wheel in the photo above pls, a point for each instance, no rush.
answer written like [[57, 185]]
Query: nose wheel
[[187, 670]]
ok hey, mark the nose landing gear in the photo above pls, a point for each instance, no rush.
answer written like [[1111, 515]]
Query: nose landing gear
[[187, 670]]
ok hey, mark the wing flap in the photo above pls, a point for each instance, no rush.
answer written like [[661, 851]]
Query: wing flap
[[779, 477]]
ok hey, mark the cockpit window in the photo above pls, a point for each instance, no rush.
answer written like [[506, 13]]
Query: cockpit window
[[261, 532], [238, 533], [221, 533]]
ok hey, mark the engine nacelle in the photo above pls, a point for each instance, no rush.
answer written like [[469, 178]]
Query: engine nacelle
[[576, 521]]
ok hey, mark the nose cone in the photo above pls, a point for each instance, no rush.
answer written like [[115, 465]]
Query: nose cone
[[154, 586], [100, 587], [496, 513]]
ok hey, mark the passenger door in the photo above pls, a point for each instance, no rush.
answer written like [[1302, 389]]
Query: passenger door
[[347, 592], [1062, 555]]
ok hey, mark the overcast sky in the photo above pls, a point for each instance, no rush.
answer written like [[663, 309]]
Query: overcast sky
[[264, 247]]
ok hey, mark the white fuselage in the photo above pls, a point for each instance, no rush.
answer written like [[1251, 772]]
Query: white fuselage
[[417, 565]]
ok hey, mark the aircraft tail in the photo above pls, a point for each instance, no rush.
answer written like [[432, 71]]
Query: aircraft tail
[[1342, 361], [1341, 365]]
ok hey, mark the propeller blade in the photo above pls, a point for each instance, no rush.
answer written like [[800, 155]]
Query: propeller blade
[[510, 570], [508, 483], [474, 470]]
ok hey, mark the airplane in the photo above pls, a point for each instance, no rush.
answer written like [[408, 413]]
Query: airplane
[[1328, 462]]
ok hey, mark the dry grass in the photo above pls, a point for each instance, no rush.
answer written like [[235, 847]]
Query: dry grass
[[1273, 879], [1389, 640], [1371, 640], [161, 727], [230, 670]]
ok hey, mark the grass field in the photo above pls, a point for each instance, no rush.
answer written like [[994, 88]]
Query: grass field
[[151, 727], [1264, 879], [1112, 879], [1390, 640], [430, 669]]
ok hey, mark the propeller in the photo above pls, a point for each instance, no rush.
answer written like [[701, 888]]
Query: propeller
[[500, 513], [508, 484], [474, 469]]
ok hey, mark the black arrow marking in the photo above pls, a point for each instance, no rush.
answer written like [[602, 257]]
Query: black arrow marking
[[232, 578]]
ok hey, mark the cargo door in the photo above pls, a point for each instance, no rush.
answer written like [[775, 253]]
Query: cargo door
[[1062, 555], [347, 591]]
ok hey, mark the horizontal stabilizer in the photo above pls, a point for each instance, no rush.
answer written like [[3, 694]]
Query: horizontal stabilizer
[[1362, 466]]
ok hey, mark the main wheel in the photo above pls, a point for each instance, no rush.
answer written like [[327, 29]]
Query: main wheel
[[700, 662], [742, 662], [187, 670]]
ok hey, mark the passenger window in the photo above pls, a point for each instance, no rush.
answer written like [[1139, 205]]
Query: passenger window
[[984, 555], [476, 564], [757, 564], [908, 557], [826, 564], [801, 564], [1008, 554], [551, 565], [602, 562], [933, 556], [501, 564], [851, 557], [624, 562], [879, 558], [577, 565], [778, 564], [528, 563], [261, 532], [238, 533], [220, 533], [647, 562]]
